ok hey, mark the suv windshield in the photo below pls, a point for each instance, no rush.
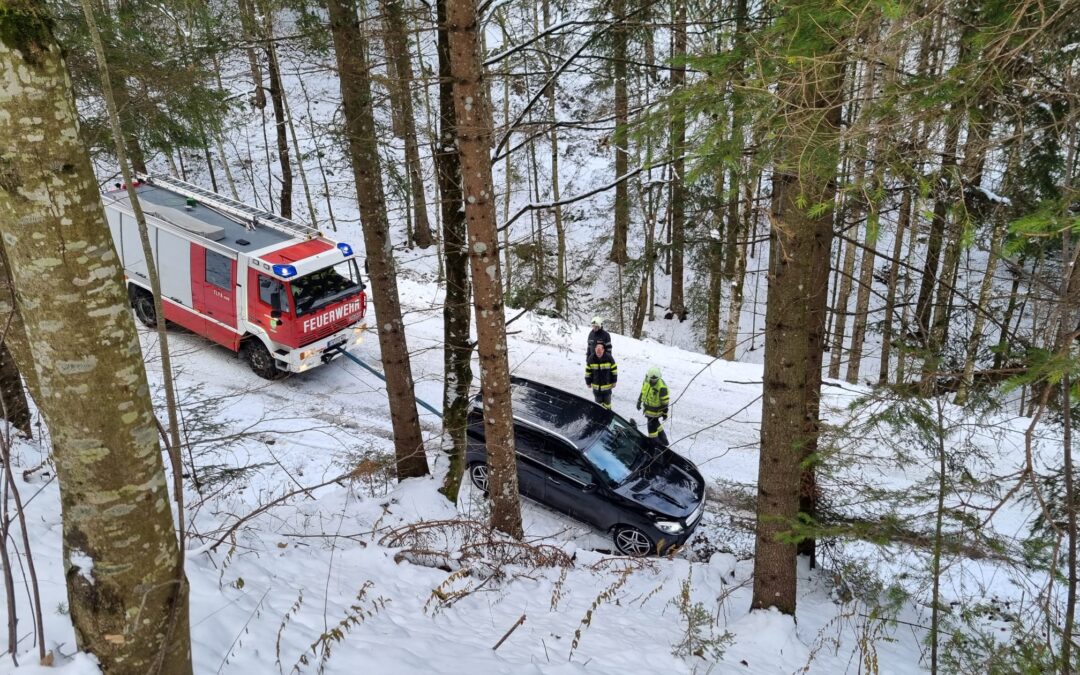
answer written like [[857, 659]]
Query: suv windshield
[[618, 452], [319, 289]]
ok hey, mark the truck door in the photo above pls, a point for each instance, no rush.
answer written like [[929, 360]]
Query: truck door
[[266, 297], [213, 286]]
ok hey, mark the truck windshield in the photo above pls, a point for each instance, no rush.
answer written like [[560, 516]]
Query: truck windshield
[[617, 453], [318, 289]]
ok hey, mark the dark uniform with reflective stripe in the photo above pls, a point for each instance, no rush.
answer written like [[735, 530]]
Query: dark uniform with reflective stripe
[[655, 400], [601, 374]]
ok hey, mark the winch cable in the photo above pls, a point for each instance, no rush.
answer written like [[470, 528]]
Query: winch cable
[[374, 371]]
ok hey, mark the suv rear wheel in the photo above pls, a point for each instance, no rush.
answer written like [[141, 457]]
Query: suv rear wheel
[[478, 474], [632, 541]]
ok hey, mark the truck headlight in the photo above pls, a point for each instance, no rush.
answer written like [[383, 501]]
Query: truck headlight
[[669, 526]]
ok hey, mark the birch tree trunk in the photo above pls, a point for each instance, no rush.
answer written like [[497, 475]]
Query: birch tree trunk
[[457, 350], [126, 594], [356, 99], [471, 106]]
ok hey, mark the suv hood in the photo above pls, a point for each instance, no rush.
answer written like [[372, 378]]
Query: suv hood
[[670, 486]]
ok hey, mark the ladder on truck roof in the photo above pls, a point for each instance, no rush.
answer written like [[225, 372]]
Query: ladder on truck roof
[[249, 215]]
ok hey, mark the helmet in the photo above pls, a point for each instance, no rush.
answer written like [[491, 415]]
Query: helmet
[[597, 321], [653, 373]]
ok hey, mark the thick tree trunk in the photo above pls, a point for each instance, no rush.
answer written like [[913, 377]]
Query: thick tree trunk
[[678, 164], [457, 354], [398, 55], [122, 562], [474, 143], [810, 91], [620, 138], [367, 172]]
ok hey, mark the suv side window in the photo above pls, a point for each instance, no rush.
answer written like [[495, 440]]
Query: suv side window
[[569, 463], [530, 444]]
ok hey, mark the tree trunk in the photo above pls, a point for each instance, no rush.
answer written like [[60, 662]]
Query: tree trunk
[[997, 238], [862, 297], [678, 150], [867, 205], [15, 409], [457, 354], [247, 25], [937, 227], [560, 228], [846, 274], [474, 144], [620, 138], [810, 92], [280, 124], [902, 223], [356, 100], [398, 55], [121, 556]]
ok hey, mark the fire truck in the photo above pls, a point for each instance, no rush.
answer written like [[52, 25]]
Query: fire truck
[[278, 293]]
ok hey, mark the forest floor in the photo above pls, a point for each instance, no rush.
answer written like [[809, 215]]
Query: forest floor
[[329, 577]]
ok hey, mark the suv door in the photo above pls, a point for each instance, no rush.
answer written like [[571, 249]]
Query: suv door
[[570, 485], [532, 456]]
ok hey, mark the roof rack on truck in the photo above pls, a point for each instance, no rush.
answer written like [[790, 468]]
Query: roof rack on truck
[[250, 215]]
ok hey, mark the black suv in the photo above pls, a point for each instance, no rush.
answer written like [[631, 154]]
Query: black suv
[[584, 460]]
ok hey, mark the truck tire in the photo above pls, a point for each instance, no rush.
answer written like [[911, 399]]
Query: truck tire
[[143, 304], [260, 360]]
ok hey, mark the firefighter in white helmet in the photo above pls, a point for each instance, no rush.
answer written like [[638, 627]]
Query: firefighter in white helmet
[[598, 335]]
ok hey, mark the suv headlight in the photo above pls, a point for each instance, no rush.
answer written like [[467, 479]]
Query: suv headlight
[[669, 526]]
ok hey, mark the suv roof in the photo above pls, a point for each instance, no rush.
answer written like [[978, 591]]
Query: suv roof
[[574, 418]]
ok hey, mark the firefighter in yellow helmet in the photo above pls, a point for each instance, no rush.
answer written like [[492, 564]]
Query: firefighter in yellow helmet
[[655, 399]]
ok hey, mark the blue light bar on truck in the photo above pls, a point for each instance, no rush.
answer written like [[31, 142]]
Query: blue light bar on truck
[[346, 250], [285, 271]]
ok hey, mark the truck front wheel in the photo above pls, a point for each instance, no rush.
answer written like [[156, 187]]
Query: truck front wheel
[[261, 361]]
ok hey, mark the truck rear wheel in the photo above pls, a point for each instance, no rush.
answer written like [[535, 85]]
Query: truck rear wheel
[[143, 303], [262, 361]]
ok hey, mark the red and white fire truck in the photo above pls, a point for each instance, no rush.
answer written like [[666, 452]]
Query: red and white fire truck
[[279, 293]]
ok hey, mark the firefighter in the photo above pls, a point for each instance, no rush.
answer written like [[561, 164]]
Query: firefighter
[[598, 335], [601, 374], [656, 400]]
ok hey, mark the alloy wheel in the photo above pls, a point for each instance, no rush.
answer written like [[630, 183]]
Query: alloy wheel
[[632, 541], [478, 474]]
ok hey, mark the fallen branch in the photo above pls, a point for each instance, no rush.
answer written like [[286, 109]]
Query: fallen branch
[[512, 629]]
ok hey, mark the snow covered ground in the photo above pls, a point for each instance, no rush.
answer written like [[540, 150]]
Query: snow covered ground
[[269, 595]]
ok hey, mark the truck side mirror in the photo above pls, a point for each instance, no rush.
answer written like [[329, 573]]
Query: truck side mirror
[[275, 304]]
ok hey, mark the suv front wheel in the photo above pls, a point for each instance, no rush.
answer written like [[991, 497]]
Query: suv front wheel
[[633, 542]]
